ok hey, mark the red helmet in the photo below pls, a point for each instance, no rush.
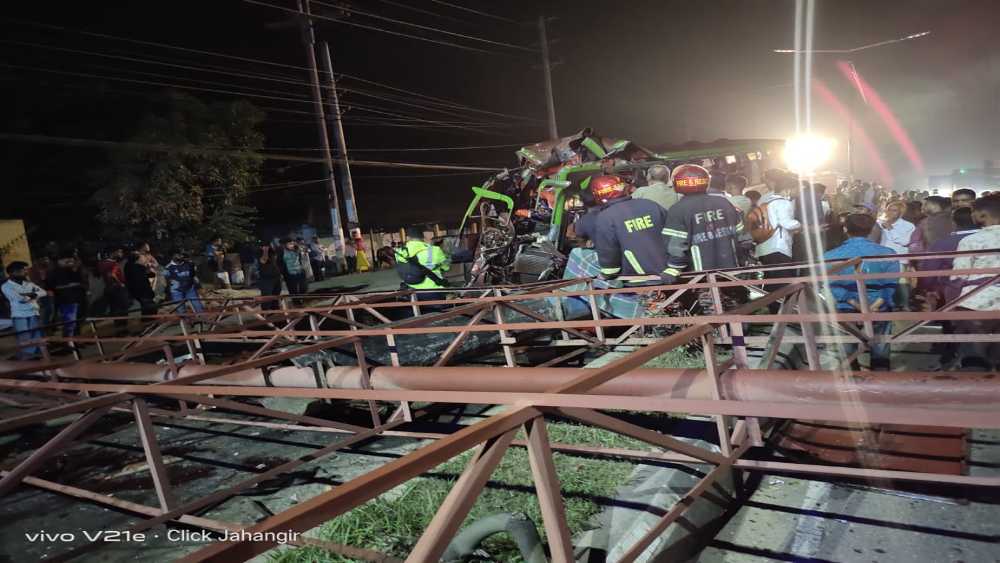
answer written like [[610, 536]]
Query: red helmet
[[690, 179], [607, 188]]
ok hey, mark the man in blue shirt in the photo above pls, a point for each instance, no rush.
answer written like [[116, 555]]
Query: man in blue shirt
[[879, 292]]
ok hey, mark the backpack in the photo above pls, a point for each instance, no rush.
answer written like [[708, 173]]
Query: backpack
[[412, 272], [759, 224], [409, 272]]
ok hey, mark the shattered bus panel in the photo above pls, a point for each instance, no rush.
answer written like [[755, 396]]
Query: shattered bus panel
[[522, 215]]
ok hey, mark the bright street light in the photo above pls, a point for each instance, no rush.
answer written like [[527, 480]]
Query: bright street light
[[805, 154]]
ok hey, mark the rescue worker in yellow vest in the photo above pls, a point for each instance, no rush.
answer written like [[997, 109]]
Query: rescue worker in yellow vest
[[420, 264]]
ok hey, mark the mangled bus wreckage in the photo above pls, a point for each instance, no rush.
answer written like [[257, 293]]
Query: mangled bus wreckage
[[515, 228]]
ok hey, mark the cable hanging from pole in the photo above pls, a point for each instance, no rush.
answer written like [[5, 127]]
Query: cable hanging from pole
[[382, 30], [188, 149], [153, 43], [457, 7], [250, 75], [351, 10]]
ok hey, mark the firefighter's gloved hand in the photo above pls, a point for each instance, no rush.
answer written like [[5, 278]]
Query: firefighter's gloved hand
[[607, 277]]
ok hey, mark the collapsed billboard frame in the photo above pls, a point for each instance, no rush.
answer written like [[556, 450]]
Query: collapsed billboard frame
[[738, 422]]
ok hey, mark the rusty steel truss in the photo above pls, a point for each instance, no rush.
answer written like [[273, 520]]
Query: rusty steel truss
[[59, 386]]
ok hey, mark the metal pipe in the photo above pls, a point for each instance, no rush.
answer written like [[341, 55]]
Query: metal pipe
[[962, 389]]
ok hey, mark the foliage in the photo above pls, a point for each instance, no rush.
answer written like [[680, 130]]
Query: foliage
[[393, 522], [185, 194]]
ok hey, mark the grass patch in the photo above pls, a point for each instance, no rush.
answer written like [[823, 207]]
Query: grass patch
[[679, 357], [687, 357], [393, 522]]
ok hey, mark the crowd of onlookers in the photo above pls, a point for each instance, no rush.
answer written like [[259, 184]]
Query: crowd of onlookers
[[783, 220], [786, 220], [67, 284], [866, 220]]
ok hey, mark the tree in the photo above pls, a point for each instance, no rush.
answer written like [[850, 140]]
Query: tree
[[187, 177]]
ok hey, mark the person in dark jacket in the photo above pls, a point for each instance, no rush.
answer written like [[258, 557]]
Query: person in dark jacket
[[627, 233], [115, 293], [809, 243], [182, 282], [268, 280], [702, 229], [137, 282], [936, 224], [936, 291], [66, 283]]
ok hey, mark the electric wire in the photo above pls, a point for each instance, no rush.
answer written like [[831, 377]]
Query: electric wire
[[349, 9], [152, 83], [248, 59], [426, 12], [405, 149], [189, 149], [444, 101], [204, 81], [379, 29], [154, 44], [488, 15], [155, 62]]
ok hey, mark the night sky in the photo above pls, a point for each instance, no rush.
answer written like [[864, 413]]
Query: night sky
[[655, 71]]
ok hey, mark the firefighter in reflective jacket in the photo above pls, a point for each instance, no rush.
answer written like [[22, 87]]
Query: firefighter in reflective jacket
[[421, 265], [627, 233], [702, 229]]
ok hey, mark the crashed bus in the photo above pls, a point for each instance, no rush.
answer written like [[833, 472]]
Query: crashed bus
[[516, 228]]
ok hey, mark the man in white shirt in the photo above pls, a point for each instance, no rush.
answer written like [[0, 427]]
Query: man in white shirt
[[980, 355], [23, 297], [896, 231], [896, 234], [775, 203]]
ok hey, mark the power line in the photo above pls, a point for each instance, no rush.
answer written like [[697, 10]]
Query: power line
[[494, 16], [283, 94], [407, 176], [152, 83], [379, 29], [425, 105], [406, 149], [154, 61], [469, 125], [426, 12], [234, 57], [441, 100], [154, 43], [347, 8], [410, 117], [188, 149], [267, 188]]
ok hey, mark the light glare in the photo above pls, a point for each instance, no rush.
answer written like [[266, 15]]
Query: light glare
[[805, 154]]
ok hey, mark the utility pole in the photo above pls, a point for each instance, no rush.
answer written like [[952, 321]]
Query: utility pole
[[340, 142], [547, 70], [309, 38]]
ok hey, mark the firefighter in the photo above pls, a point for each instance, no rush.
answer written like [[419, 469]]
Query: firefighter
[[627, 233], [702, 229]]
